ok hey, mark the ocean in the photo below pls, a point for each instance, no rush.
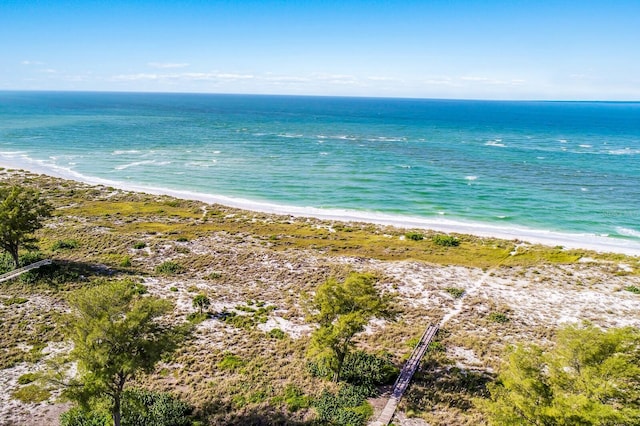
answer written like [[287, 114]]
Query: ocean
[[547, 169]]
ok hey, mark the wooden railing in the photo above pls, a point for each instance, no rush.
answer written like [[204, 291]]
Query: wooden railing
[[20, 271]]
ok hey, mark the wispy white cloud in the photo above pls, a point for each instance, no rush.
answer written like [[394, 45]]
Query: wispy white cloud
[[338, 79], [383, 79], [492, 81], [187, 76], [286, 79], [165, 65], [32, 63]]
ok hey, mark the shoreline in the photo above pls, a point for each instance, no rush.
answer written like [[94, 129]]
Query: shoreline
[[533, 236]]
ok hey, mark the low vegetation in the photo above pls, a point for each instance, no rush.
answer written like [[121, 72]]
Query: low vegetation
[[589, 377], [260, 351]]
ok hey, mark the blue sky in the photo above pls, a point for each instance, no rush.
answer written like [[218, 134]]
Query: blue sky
[[490, 49]]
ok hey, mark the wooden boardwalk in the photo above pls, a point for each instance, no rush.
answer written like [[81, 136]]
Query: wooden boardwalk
[[403, 380], [20, 271]]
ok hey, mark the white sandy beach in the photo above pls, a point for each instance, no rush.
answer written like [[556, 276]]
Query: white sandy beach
[[566, 240]]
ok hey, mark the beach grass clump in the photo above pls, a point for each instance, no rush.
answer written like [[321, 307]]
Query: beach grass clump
[[294, 398], [139, 245], [31, 393], [455, 292], [14, 301], [276, 333], [214, 275], [632, 289], [436, 346], [414, 236], [169, 267], [64, 245], [249, 316], [445, 240], [498, 317], [27, 378], [197, 317], [231, 362], [348, 406]]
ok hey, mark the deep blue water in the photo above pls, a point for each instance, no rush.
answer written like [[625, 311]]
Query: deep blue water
[[559, 166]]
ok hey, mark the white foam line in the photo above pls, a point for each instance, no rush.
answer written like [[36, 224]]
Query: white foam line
[[549, 238]]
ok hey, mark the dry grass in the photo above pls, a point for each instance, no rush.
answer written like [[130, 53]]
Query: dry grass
[[239, 259]]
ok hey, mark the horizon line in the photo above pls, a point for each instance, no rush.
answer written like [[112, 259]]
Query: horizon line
[[314, 96]]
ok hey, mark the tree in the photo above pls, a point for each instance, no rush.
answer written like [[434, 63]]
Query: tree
[[22, 212], [341, 311], [201, 302], [590, 377], [116, 335]]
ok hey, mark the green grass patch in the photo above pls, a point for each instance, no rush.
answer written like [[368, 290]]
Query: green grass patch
[[455, 292], [445, 241], [276, 333], [632, 289], [139, 245], [31, 394], [498, 317], [27, 378], [231, 362], [414, 236], [14, 301], [197, 317], [169, 268], [214, 275], [64, 245]]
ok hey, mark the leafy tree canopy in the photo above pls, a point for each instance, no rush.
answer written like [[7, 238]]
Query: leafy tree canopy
[[201, 302], [341, 311], [116, 335], [590, 377], [22, 212]]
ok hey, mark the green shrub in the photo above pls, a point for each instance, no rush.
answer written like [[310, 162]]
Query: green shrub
[[169, 268], [139, 245], [455, 292], [231, 362], [295, 399], [414, 236], [348, 407], [413, 342], [142, 408], [214, 275], [173, 289], [27, 378], [31, 394], [633, 289], [445, 241], [138, 288], [276, 333], [14, 301], [197, 317], [318, 369], [139, 408], [64, 245], [368, 370], [30, 257], [436, 347], [76, 416], [498, 317], [125, 262]]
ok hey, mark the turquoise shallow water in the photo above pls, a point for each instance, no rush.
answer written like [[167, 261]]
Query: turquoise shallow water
[[549, 166]]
